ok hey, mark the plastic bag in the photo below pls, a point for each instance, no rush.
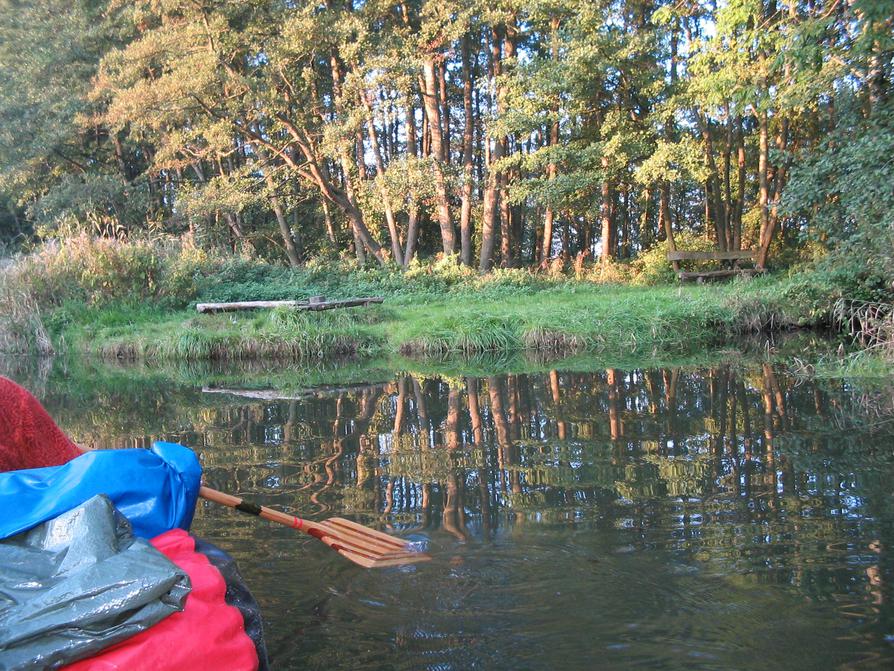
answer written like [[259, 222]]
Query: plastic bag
[[79, 583]]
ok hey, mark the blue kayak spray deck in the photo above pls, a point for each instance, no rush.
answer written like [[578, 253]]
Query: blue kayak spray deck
[[155, 489]]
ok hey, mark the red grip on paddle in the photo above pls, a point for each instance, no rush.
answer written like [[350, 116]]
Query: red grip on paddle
[[296, 523]]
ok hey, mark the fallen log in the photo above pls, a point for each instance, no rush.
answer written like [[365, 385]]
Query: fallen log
[[295, 305]]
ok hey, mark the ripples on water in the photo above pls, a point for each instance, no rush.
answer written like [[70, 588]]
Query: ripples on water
[[680, 518]]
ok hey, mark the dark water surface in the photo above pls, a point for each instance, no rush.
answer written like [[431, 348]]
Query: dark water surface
[[710, 518]]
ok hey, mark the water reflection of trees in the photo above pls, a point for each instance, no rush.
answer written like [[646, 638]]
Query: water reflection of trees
[[723, 465], [742, 468]]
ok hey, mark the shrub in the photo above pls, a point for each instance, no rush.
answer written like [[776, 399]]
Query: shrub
[[186, 269], [612, 272], [446, 271], [92, 270]]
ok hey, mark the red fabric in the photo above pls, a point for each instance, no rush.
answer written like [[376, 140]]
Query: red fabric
[[207, 634], [29, 438]]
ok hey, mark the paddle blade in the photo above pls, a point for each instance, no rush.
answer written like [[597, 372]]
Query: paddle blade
[[364, 546]]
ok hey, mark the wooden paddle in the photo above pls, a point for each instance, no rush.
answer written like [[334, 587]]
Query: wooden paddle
[[364, 546]]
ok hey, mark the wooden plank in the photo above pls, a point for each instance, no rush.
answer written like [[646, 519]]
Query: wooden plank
[[717, 274], [712, 256], [317, 304]]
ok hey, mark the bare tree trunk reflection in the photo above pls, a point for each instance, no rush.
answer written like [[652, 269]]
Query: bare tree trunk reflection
[[481, 448], [399, 408], [554, 390], [613, 420], [475, 411], [494, 389], [767, 396], [451, 519]]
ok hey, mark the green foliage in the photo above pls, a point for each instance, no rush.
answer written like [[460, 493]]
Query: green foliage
[[278, 334], [163, 117], [201, 144], [844, 186], [89, 204], [124, 298], [466, 332]]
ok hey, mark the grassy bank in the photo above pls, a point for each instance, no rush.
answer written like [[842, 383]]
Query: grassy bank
[[136, 301], [552, 320]]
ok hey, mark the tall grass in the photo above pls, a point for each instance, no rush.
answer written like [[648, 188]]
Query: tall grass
[[466, 333], [277, 334], [21, 326]]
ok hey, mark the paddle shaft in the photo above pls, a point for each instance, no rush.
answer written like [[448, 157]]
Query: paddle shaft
[[249, 508]]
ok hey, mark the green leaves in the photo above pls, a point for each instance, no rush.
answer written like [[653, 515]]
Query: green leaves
[[251, 119]]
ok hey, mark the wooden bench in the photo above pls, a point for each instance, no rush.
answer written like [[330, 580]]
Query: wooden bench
[[735, 256]]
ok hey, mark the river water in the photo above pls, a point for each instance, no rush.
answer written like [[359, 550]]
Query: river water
[[728, 516]]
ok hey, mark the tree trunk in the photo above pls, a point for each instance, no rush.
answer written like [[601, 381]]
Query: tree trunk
[[284, 229], [645, 228], [552, 141], [327, 218], [465, 218], [547, 242], [506, 219], [778, 184], [348, 202], [413, 208], [445, 111], [380, 172], [740, 189], [489, 217], [432, 112], [623, 246], [714, 204], [492, 182], [727, 186], [605, 216], [664, 215], [664, 220], [764, 189]]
